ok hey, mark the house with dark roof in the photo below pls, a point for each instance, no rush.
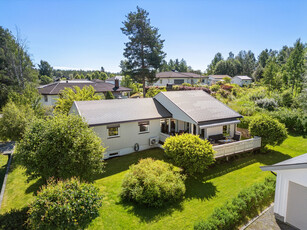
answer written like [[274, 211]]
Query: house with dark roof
[[213, 79], [126, 126], [241, 80], [52, 91], [112, 79], [178, 78], [290, 203]]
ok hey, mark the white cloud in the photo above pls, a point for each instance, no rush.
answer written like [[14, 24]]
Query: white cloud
[[71, 68]]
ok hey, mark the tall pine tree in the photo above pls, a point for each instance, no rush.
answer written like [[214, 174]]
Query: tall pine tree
[[144, 50]]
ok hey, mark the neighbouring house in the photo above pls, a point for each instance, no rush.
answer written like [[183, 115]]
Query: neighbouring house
[[241, 80], [213, 79], [290, 204], [52, 91], [126, 126], [178, 78], [112, 80]]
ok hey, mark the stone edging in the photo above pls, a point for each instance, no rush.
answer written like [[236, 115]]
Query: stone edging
[[254, 219]]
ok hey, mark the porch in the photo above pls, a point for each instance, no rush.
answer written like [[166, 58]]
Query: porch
[[223, 135]]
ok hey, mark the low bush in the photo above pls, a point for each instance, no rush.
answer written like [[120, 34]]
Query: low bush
[[66, 203], [190, 152], [247, 204], [256, 95], [15, 219], [215, 88], [153, 91], [153, 183], [186, 84], [245, 122], [270, 130], [269, 104]]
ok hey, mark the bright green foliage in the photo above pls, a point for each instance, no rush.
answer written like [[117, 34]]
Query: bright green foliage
[[153, 91], [270, 130], [109, 95], [68, 96], [64, 205], [44, 80], [269, 104], [153, 183], [61, 147], [246, 204], [227, 80], [287, 98], [190, 152], [186, 84], [14, 121], [215, 88], [143, 51], [45, 69]]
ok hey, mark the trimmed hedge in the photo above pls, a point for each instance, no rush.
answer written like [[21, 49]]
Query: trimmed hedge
[[247, 204], [153, 183]]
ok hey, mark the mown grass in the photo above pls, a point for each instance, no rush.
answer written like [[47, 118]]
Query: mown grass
[[220, 183]]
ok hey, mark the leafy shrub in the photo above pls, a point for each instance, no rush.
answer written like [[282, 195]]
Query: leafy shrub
[[267, 103], [14, 121], [66, 203], [153, 183], [153, 91], [245, 122], [190, 152], [186, 84], [270, 130], [15, 219], [287, 98], [223, 93], [61, 147], [215, 88], [246, 204], [227, 80], [256, 95], [109, 95], [44, 80], [227, 87]]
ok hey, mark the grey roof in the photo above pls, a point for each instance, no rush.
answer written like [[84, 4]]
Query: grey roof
[[244, 77], [293, 163], [120, 110], [200, 106], [100, 86], [219, 76], [172, 74]]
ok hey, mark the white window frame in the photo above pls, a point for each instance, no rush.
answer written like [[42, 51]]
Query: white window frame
[[113, 126], [143, 123]]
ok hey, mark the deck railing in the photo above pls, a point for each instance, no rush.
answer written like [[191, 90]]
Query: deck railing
[[237, 147], [163, 137]]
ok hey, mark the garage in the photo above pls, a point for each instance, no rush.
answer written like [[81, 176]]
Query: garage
[[290, 203]]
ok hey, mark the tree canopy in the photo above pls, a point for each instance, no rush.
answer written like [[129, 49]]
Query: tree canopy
[[143, 51]]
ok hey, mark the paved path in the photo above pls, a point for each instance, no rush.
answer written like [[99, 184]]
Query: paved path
[[268, 222]]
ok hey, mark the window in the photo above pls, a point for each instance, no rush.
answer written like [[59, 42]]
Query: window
[[178, 81], [113, 130], [144, 127], [45, 98]]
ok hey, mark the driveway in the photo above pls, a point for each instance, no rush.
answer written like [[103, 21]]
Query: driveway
[[268, 222]]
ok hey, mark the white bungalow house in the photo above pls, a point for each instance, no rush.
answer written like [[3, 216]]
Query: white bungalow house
[[242, 80], [213, 79], [51, 92], [126, 126], [290, 203], [178, 78]]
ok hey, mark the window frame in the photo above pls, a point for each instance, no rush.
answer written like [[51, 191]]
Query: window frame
[[113, 126], [143, 123], [45, 98]]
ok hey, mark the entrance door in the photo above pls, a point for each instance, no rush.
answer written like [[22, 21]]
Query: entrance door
[[297, 205]]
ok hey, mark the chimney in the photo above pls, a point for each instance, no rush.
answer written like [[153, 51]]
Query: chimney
[[116, 83]]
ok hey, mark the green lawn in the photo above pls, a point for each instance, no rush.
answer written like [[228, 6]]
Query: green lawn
[[3, 163], [221, 183]]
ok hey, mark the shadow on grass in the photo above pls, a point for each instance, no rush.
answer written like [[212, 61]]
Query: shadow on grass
[[271, 157], [35, 187], [14, 219], [2, 172], [149, 214], [197, 189]]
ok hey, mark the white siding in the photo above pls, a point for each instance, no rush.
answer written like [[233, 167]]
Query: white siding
[[214, 131], [165, 81], [129, 136], [240, 82], [173, 109], [51, 100], [298, 176]]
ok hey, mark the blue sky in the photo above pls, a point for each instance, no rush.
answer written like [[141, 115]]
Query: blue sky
[[86, 34]]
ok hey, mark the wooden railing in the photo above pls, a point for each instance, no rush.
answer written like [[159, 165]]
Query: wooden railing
[[237, 147]]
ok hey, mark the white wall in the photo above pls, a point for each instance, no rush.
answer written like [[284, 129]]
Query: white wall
[[128, 137], [214, 131], [166, 81], [298, 176], [51, 99], [240, 82]]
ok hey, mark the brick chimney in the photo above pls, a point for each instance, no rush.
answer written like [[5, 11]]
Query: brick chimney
[[116, 83]]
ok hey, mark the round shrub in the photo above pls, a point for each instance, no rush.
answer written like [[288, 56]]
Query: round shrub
[[190, 152], [269, 104], [215, 88], [270, 130], [61, 147], [66, 203], [153, 183]]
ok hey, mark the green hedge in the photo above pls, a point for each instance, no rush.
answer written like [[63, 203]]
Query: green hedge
[[247, 204]]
